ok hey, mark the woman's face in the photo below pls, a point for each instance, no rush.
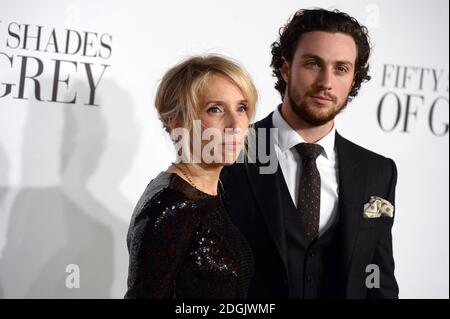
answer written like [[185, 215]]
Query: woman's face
[[224, 121]]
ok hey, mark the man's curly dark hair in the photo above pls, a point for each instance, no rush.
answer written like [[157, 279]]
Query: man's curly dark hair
[[308, 20]]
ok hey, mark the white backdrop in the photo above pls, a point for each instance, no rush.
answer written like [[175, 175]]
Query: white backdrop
[[71, 173]]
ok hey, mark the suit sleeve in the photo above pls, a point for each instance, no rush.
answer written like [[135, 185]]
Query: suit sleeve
[[158, 243], [383, 256]]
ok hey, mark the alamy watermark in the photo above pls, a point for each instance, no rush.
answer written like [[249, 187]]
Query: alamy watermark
[[73, 279], [212, 145], [373, 279]]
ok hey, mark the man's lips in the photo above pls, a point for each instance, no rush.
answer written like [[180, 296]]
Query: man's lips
[[322, 98]]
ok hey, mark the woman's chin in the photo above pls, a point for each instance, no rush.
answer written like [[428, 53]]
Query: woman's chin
[[230, 159], [228, 163], [225, 158]]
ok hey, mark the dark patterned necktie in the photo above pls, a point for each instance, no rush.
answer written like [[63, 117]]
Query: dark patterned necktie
[[309, 190]]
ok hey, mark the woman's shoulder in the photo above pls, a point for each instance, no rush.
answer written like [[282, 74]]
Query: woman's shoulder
[[163, 198], [158, 187], [161, 217]]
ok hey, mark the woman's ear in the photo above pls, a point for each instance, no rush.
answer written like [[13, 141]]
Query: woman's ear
[[169, 123]]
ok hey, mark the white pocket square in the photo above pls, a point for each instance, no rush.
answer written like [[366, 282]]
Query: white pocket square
[[378, 207]]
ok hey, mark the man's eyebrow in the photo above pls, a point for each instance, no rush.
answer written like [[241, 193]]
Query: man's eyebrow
[[311, 56], [345, 62], [316, 57]]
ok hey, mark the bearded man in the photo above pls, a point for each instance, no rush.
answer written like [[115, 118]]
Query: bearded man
[[320, 224]]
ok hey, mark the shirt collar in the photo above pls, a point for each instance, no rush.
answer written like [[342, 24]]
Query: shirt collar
[[288, 138]]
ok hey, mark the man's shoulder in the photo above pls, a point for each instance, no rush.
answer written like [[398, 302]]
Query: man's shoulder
[[345, 144], [233, 172], [361, 154], [265, 122]]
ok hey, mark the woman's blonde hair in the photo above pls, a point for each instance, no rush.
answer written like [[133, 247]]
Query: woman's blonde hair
[[178, 96]]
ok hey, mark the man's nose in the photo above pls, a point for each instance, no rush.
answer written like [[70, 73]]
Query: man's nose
[[325, 79]]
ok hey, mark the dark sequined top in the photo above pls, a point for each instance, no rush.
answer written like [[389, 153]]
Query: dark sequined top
[[182, 244]]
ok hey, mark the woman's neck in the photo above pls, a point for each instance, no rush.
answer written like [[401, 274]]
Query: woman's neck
[[201, 176]]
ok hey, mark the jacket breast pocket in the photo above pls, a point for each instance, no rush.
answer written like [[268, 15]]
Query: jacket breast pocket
[[376, 222]]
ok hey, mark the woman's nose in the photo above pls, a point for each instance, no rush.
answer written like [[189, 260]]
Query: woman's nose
[[233, 122]]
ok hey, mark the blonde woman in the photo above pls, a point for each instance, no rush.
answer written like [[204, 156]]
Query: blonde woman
[[181, 241]]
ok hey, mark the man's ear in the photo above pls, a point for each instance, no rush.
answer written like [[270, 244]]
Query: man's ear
[[284, 70], [353, 85]]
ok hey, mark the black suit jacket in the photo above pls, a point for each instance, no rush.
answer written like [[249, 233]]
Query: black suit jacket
[[255, 208]]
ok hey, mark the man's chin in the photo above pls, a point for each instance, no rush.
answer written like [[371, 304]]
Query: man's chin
[[311, 117], [318, 121]]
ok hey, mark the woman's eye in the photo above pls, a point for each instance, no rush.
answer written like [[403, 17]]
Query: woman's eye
[[242, 108], [213, 109]]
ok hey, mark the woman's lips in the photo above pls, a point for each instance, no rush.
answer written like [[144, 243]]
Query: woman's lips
[[231, 146]]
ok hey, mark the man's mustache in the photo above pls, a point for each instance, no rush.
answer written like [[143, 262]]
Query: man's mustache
[[322, 93]]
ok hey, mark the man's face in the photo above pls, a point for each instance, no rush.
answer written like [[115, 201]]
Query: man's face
[[320, 75]]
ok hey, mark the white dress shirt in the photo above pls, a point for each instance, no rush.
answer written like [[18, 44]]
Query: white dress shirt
[[290, 164]]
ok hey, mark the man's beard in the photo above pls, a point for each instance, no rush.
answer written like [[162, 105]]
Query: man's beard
[[311, 114]]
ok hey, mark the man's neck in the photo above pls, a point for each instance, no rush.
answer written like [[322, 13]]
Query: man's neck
[[310, 133]]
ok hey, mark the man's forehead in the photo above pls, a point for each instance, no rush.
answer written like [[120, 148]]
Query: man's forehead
[[327, 45]]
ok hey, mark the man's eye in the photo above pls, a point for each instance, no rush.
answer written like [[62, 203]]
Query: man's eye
[[342, 69], [312, 64]]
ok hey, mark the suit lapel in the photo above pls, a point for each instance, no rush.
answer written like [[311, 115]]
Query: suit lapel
[[266, 189], [352, 185]]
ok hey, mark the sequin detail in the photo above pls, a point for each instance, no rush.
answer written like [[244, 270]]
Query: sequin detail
[[182, 244], [169, 211]]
